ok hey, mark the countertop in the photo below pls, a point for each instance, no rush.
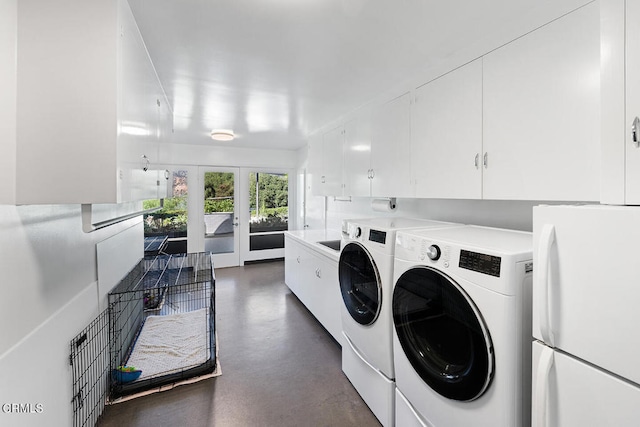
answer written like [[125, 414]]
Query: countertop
[[310, 238]]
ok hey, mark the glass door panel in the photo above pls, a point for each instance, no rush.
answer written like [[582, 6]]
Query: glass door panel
[[165, 231], [442, 334], [359, 284], [220, 215], [268, 214]]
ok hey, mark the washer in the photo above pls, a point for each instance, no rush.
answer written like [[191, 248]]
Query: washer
[[462, 327], [365, 272]]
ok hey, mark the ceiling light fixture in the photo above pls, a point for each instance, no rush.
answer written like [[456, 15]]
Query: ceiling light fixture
[[222, 135]]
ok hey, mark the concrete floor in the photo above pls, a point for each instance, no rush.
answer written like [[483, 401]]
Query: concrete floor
[[279, 366]]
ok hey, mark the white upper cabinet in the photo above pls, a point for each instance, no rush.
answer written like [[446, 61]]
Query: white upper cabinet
[[541, 113], [90, 109], [357, 156], [324, 168], [446, 135], [620, 41], [314, 164], [391, 149], [632, 107], [339, 159], [332, 158]]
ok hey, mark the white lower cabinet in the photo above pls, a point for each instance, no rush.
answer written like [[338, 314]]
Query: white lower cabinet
[[313, 278]]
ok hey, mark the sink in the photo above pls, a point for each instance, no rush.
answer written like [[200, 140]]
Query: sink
[[332, 244]]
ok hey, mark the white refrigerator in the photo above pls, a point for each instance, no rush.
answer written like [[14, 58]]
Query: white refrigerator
[[586, 316]]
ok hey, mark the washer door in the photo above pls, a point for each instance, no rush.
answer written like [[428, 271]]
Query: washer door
[[442, 334], [359, 283]]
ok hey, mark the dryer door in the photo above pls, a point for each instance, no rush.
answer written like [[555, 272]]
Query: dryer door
[[359, 283], [442, 334]]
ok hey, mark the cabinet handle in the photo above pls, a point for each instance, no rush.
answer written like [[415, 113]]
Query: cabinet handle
[[485, 160], [373, 174], [298, 259], [323, 180], [477, 160], [318, 273], [635, 128], [145, 163]]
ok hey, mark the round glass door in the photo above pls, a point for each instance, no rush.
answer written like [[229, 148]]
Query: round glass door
[[359, 283], [442, 334]]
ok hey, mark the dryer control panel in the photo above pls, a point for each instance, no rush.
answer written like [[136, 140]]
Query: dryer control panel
[[377, 236], [482, 263]]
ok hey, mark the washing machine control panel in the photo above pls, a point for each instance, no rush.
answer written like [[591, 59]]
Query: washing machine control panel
[[482, 263], [354, 231], [434, 252]]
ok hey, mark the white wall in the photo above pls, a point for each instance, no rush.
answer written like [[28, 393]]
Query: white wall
[[516, 215], [49, 289], [202, 155], [49, 294]]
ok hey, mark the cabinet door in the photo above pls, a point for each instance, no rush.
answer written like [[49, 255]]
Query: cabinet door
[[314, 165], [165, 136], [632, 97], [292, 265], [357, 156], [332, 154], [391, 149], [446, 135], [137, 117], [327, 290], [541, 111]]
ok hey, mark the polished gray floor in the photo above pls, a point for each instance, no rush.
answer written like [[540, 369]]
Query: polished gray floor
[[279, 366]]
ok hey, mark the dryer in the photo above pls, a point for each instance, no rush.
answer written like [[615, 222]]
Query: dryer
[[365, 272], [462, 327]]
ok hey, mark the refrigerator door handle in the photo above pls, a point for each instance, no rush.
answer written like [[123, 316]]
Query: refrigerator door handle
[[543, 285], [542, 386]]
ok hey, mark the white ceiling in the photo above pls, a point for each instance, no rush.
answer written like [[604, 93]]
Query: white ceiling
[[276, 70]]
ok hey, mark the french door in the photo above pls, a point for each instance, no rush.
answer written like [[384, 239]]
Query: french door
[[265, 217], [220, 208]]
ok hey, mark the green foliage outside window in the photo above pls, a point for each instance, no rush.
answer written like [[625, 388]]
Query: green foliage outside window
[[218, 192], [172, 218], [272, 200]]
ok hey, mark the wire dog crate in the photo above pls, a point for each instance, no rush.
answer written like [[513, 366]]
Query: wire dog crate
[[162, 322], [89, 360]]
